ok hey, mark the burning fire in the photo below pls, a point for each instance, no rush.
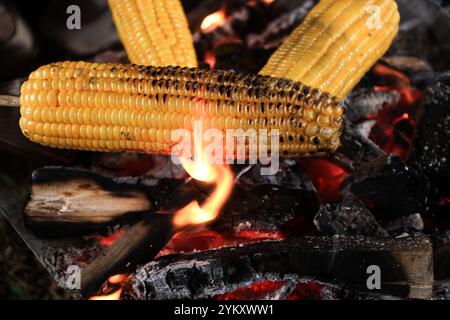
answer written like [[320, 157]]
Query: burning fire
[[213, 21], [117, 279], [201, 170]]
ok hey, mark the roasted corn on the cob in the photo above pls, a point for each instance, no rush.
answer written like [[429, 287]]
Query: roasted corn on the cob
[[154, 32], [113, 107], [336, 44]]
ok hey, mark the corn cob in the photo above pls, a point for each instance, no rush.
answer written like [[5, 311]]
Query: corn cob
[[113, 107], [154, 32], [336, 44]]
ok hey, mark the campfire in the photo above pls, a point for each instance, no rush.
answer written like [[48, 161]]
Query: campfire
[[127, 225]]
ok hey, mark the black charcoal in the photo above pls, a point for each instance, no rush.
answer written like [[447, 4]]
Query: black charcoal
[[349, 217], [406, 225], [431, 149], [389, 187]]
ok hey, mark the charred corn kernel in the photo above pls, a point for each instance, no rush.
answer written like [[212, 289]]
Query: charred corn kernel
[[336, 44], [154, 32], [140, 111]]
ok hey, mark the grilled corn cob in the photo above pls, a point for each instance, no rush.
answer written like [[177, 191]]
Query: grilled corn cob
[[154, 32], [336, 44], [113, 107]]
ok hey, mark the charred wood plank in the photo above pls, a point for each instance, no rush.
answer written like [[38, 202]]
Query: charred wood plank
[[406, 266], [67, 201]]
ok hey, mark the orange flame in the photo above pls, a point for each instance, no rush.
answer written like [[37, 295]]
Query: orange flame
[[213, 21], [210, 59], [202, 170], [113, 296], [117, 279]]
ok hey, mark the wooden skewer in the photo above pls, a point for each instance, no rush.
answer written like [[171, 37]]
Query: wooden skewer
[[9, 101]]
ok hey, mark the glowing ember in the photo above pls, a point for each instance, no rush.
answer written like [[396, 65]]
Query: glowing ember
[[326, 177], [394, 126], [198, 240], [251, 235], [116, 280], [257, 290], [109, 240], [402, 82], [210, 59], [113, 296], [307, 291], [213, 21]]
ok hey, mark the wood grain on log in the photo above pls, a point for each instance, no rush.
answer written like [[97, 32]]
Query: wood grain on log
[[67, 201], [406, 266]]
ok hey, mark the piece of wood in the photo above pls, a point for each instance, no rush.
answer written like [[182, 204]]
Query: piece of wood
[[66, 201], [9, 101], [406, 266], [81, 199]]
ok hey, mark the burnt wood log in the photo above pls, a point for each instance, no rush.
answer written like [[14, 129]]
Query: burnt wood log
[[406, 266], [67, 201]]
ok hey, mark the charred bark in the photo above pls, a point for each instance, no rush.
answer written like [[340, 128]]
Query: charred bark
[[406, 265]]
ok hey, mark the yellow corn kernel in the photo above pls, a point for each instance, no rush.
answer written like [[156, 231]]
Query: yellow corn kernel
[[336, 44]]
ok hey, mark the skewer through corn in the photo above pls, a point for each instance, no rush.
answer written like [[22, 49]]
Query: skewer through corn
[[336, 44], [113, 107], [154, 32]]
